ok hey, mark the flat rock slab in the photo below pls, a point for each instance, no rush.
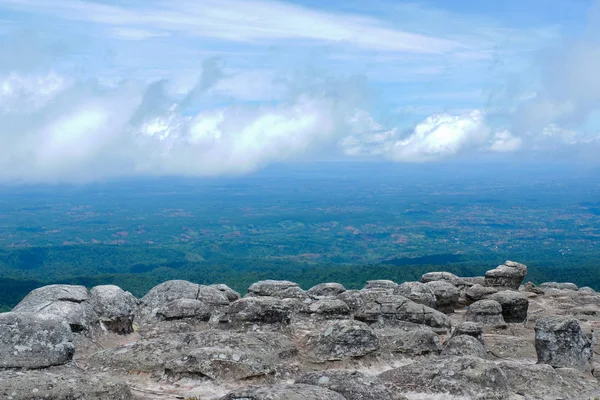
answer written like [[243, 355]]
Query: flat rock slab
[[284, 392]]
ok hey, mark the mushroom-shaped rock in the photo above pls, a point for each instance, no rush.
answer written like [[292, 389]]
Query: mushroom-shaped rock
[[184, 308], [381, 284], [514, 305], [270, 287], [409, 311], [507, 276], [559, 286], [266, 310], [326, 290], [341, 340], [166, 292], [474, 329], [212, 296], [353, 385], [446, 295], [463, 345], [30, 340], [486, 312], [115, 307], [560, 342], [478, 292], [283, 392], [472, 377], [417, 292], [64, 385], [412, 340], [231, 294]]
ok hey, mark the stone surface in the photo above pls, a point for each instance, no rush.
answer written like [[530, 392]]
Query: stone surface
[[479, 292], [166, 292], [270, 287], [283, 392], [560, 342], [474, 329], [507, 276], [514, 305], [341, 340], [329, 307], [212, 296], [411, 340], [446, 295], [325, 290], [381, 284], [265, 310], [559, 286], [353, 298], [443, 276], [184, 308], [34, 340], [231, 294], [487, 312], [417, 292], [463, 345], [115, 307]]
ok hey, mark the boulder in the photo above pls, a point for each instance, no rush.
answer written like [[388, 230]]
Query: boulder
[[353, 298], [531, 288], [463, 345], [326, 290], [443, 276], [559, 286], [64, 385], [446, 295], [166, 292], [409, 311], [270, 287], [30, 340], [486, 312], [560, 342], [381, 284], [182, 309], [587, 290], [212, 296], [283, 392], [471, 377], [329, 307], [115, 307], [478, 292], [341, 340], [474, 329], [413, 340], [292, 293], [506, 276], [417, 292], [265, 310], [231, 294], [353, 385], [514, 305]]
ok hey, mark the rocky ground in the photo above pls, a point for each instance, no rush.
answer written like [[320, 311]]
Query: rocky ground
[[444, 337]]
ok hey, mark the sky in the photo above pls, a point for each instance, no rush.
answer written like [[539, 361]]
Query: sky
[[93, 90]]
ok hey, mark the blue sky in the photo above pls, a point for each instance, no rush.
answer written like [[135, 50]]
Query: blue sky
[[100, 89]]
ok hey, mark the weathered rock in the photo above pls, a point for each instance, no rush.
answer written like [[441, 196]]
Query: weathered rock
[[266, 310], [50, 293], [34, 340], [474, 280], [283, 392], [341, 340], [417, 292], [405, 310], [446, 295], [294, 293], [270, 287], [184, 308], [587, 290], [353, 385], [531, 288], [166, 292], [486, 312], [443, 276], [507, 276], [231, 294], [115, 307], [325, 290], [329, 307], [559, 286], [381, 284], [212, 296], [353, 298], [514, 305], [411, 340], [478, 292], [560, 342], [463, 345], [63, 385], [474, 329]]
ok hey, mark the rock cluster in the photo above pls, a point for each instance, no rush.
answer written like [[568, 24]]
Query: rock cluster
[[470, 337]]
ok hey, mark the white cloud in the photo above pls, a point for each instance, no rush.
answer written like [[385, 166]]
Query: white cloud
[[505, 142], [135, 34]]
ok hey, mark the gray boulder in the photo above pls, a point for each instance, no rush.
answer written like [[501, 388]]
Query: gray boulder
[[463, 345], [182, 309], [34, 340], [514, 305], [587, 290], [166, 292], [486, 312], [270, 287], [212, 296], [478, 292], [506, 276], [326, 290], [353, 385], [444, 276], [115, 307], [413, 340], [474, 329], [353, 298], [401, 309], [341, 340], [231, 294], [283, 392], [417, 292], [329, 307], [560, 342], [531, 288], [64, 385], [446, 295], [472, 377], [381, 284], [266, 310], [559, 286]]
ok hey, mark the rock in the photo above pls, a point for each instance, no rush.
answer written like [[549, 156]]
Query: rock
[[353, 385], [231, 294], [474, 280], [587, 290], [353, 298], [478, 292], [463, 345], [326, 290], [294, 293], [212, 296], [63, 385], [559, 286], [486, 312], [166, 292], [443, 276], [560, 342], [531, 288], [514, 305], [266, 310], [342, 340], [472, 377], [409, 311], [115, 307], [329, 307], [283, 392], [270, 287], [446, 295], [381, 284], [50, 293], [474, 329], [34, 340], [507, 276], [417, 292], [184, 308], [411, 340]]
